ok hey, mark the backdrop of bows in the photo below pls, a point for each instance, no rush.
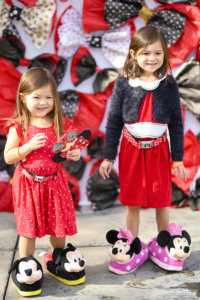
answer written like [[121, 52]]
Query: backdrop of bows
[[84, 44]]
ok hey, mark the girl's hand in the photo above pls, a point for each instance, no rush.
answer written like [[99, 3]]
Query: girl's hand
[[74, 154], [182, 171], [105, 168], [37, 141]]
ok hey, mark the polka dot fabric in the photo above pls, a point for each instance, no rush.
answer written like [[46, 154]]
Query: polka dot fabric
[[160, 256], [70, 36], [42, 208], [118, 12], [171, 22], [135, 261], [37, 21]]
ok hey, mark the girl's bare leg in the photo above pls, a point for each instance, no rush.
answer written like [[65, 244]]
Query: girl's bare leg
[[26, 246], [133, 219], [57, 242], [162, 218]]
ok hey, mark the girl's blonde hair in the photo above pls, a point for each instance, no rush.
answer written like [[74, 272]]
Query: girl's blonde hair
[[33, 79], [144, 37]]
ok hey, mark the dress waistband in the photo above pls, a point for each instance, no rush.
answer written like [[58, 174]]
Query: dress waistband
[[39, 178], [144, 144]]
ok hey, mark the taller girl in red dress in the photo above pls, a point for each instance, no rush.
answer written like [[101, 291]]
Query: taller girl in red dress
[[145, 103], [43, 203]]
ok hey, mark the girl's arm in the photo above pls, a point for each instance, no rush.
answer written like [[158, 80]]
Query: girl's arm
[[13, 153]]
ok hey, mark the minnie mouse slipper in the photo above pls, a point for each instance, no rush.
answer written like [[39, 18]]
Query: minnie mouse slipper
[[27, 275], [70, 142], [170, 248], [66, 265], [127, 253]]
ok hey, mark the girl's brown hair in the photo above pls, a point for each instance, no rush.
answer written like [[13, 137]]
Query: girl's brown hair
[[33, 79], [141, 39]]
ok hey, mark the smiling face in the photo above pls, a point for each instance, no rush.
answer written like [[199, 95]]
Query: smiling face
[[119, 251], [150, 58], [40, 102], [181, 248]]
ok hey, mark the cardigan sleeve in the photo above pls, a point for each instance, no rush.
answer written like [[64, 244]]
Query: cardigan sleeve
[[176, 125], [115, 121]]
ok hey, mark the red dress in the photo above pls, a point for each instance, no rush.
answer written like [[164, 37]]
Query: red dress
[[42, 207], [145, 174]]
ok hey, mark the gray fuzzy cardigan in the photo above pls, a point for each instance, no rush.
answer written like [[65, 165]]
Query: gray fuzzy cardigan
[[125, 103]]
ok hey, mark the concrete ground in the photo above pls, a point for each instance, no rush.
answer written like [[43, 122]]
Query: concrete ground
[[147, 282]]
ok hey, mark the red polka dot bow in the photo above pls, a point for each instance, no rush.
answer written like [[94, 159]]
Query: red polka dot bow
[[37, 20]]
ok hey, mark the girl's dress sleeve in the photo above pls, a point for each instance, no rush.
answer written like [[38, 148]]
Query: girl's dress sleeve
[[17, 127], [115, 121]]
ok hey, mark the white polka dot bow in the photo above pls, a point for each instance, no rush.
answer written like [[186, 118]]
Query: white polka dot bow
[[37, 20], [70, 36]]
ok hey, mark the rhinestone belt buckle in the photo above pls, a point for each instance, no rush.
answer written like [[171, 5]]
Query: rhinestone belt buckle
[[146, 144], [39, 178]]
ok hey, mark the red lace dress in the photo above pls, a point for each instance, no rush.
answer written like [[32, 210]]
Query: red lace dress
[[42, 207]]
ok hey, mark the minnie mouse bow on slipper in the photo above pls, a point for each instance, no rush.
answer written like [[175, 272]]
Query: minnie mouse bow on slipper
[[70, 141], [38, 19]]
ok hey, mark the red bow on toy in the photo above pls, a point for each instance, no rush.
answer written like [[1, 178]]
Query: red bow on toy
[[38, 20]]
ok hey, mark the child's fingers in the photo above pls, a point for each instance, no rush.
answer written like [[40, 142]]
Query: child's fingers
[[102, 172]]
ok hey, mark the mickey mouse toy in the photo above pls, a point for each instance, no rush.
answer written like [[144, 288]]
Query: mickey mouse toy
[[66, 265]]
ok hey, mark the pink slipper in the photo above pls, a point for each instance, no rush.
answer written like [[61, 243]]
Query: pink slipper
[[127, 253], [170, 248], [135, 261]]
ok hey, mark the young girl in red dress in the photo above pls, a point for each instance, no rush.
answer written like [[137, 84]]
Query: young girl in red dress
[[145, 104], [43, 203]]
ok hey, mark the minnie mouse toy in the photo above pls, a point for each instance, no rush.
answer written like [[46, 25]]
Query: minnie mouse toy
[[170, 248], [127, 253]]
